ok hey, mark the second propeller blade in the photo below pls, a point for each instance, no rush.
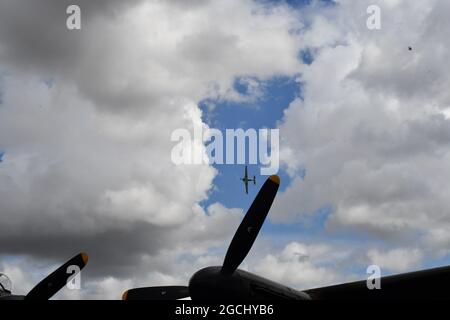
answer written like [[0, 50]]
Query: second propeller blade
[[251, 224]]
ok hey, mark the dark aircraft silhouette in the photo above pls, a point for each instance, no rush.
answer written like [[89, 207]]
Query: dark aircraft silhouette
[[226, 282], [54, 282], [246, 180]]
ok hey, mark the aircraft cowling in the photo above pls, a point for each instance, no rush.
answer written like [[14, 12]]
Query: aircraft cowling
[[211, 284]]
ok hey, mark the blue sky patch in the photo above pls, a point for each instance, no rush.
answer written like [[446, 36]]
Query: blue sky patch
[[264, 112], [307, 56]]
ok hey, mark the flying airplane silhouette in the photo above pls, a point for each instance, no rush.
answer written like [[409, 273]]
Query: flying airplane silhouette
[[50, 285], [227, 282], [246, 180]]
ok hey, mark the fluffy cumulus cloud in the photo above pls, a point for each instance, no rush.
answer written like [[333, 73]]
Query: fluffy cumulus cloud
[[372, 130], [398, 259], [86, 118], [302, 266]]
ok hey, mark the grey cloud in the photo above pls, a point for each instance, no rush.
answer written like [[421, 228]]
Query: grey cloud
[[34, 36], [112, 252]]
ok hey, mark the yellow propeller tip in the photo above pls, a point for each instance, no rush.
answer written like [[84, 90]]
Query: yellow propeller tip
[[275, 179], [125, 295], [85, 257]]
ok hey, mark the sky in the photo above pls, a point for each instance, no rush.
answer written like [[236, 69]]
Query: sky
[[86, 118]]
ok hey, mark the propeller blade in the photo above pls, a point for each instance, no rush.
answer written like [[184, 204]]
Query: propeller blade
[[45, 289], [157, 293], [251, 224]]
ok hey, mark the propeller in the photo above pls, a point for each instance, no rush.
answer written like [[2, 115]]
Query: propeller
[[249, 228], [238, 249], [45, 289]]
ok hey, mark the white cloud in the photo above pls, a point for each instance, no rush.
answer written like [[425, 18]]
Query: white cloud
[[400, 259], [371, 132], [87, 161], [300, 266], [86, 119]]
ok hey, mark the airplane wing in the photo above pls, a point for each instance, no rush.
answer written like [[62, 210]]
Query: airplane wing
[[426, 284]]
